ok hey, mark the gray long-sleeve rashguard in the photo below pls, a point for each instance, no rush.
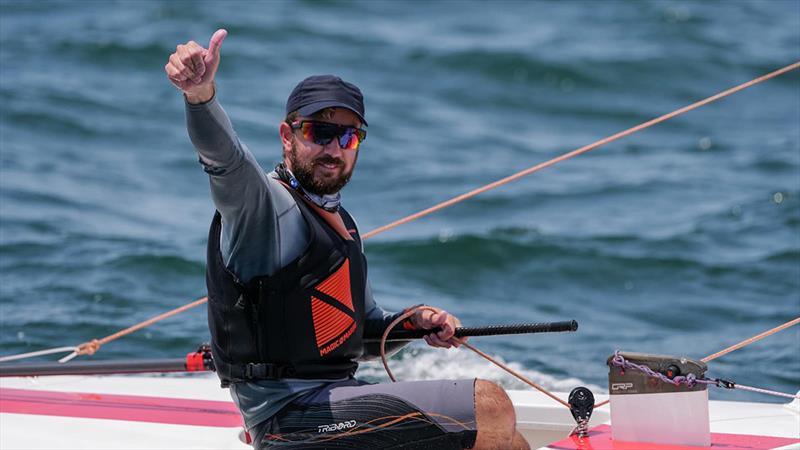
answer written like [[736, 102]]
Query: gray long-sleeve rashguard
[[262, 231]]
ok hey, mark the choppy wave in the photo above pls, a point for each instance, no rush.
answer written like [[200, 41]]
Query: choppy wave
[[514, 247]]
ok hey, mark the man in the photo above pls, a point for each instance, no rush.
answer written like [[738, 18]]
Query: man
[[289, 301]]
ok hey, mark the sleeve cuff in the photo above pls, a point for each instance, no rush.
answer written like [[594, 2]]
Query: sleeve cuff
[[407, 324], [202, 105]]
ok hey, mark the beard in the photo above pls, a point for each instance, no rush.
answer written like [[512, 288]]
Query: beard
[[303, 170]]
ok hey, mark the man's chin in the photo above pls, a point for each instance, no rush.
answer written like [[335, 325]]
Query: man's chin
[[327, 185]]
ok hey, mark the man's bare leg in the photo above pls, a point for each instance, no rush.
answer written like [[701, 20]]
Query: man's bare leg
[[496, 419], [519, 442]]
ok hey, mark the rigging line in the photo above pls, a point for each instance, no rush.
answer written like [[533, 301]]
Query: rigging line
[[579, 151], [751, 340], [766, 391], [89, 348], [48, 351], [519, 376]]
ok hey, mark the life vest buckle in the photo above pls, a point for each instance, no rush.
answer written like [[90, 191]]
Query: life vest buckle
[[266, 371], [255, 371]]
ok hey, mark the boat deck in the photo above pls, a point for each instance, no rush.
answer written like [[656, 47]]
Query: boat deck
[[192, 412]]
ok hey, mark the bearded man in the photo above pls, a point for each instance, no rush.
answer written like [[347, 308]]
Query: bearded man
[[289, 301]]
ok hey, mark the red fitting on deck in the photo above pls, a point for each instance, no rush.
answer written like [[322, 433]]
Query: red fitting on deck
[[194, 362]]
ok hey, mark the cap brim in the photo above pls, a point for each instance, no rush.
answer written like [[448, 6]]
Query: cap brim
[[318, 106]]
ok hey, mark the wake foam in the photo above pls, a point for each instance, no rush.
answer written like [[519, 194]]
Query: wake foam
[[418, 363]]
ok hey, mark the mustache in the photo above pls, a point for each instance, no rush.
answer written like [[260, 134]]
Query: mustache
[[327, 159]]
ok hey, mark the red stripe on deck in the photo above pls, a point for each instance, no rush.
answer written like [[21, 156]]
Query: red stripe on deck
[[205, 413], [600, 439]]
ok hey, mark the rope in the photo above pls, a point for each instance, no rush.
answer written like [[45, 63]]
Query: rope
[[521, 377], [766, 391], [579, 151], [689, 380], [89, 348], [37, 353], [751, 340], [603, 403]]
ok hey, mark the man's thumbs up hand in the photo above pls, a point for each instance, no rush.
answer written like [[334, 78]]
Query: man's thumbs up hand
[[212, 55], [192, 68]]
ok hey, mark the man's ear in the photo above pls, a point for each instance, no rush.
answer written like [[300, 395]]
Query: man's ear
[[287, 137]]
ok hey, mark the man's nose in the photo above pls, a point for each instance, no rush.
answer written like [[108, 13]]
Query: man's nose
[[333, 148]]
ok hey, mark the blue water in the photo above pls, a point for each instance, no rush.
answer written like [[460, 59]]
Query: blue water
[[682, 239]]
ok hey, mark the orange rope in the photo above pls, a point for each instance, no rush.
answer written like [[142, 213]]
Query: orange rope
[[751, 340], [597, 405], [89, 348], [579, 151], [389, 328], [521, 377]]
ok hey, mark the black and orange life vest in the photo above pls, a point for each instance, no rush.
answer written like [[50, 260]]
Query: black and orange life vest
[[304, 321]]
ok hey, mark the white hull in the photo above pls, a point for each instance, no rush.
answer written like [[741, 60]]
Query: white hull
[[539, 418]]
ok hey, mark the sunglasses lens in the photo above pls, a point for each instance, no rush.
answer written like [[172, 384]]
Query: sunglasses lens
[[317, 133], [349, 140]]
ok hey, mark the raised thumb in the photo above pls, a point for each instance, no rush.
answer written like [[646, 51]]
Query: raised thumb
[[214, 44]]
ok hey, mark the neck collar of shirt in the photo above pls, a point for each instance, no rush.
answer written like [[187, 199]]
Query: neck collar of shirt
[[327, 202]]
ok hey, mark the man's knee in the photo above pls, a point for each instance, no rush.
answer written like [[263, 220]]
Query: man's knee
[[495, 415], [493, 401]]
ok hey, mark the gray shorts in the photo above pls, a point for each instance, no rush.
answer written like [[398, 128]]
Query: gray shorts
[[352, 414]]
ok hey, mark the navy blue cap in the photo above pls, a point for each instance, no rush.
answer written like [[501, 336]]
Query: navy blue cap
[[318, 92]]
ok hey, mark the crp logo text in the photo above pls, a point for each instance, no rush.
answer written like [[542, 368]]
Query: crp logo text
[[621, 386]]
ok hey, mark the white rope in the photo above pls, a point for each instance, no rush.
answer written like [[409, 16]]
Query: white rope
[[765, 391], [39, 353], [70, 356]]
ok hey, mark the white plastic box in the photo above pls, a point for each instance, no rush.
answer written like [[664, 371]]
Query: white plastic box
[[647, 409], [678, 418]]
